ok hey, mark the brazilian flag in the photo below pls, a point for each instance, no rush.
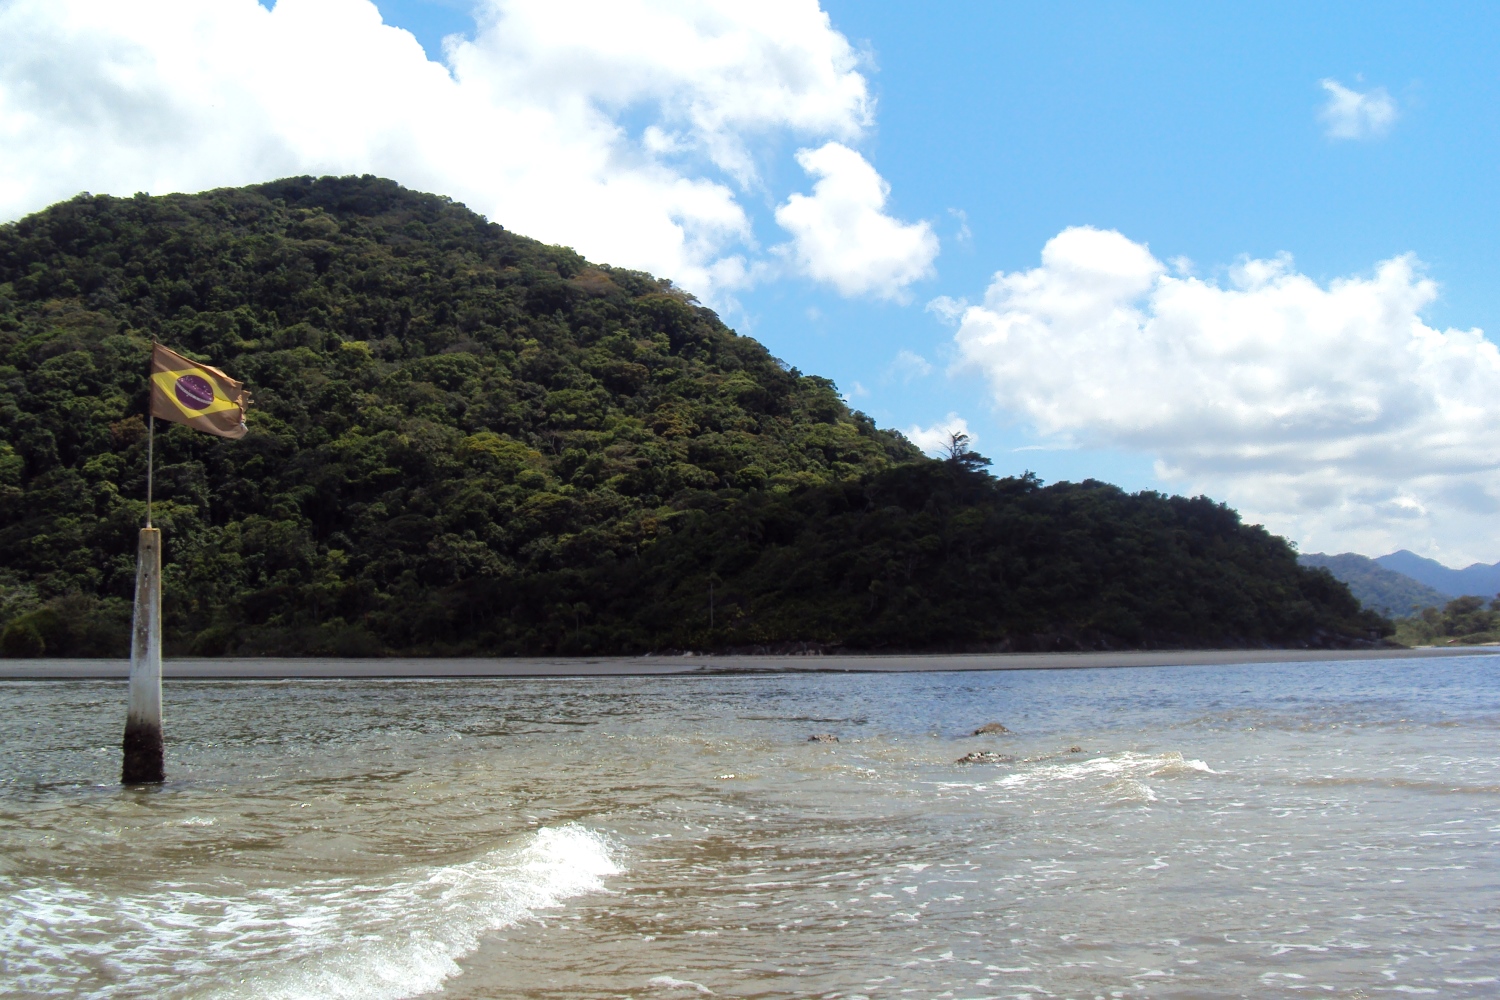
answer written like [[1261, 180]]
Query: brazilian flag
[[199, 396]]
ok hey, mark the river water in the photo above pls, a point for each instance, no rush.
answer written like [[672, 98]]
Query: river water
[[1261, 831]]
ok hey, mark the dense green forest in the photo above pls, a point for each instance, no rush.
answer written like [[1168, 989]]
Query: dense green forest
[[466, 441], [1463, 621]]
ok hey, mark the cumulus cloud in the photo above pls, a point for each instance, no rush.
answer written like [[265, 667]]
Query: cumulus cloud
[[1350, 114], [841, 233], [934, 440], [626, 128], [1332, 413]]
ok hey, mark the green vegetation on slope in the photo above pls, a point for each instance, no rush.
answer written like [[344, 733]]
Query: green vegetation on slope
[[463, 440], [1463, 621], [1381, 590]]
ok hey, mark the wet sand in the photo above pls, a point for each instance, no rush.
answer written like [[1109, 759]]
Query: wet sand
[[689, 664]]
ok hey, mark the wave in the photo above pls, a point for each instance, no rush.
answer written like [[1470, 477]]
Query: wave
[[1403, 784], [1124, 775], [377, 940]]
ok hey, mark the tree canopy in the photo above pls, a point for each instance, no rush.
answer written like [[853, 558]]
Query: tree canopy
[[464, 441], [1463, 621]]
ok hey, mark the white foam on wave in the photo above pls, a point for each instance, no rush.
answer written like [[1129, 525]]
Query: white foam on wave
[[1124, 773], [673, 983], [380, 939]]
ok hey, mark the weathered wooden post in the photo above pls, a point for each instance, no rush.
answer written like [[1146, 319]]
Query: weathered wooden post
[[145, 755]]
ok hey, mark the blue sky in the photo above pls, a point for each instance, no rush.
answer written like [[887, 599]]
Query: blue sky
[[1340, 403], [1193, 128]]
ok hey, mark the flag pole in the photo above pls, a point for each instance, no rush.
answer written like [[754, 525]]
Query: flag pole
[[145, 754], [203, 398], [150, 462]]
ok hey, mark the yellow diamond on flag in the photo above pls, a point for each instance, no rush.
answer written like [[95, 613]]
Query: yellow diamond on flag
[[200, 396]]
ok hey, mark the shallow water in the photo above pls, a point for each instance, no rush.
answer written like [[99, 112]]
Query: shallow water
[[1303, 829]]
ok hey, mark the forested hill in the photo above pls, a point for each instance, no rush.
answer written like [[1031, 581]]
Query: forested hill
[[466, 441], [1375, 587]]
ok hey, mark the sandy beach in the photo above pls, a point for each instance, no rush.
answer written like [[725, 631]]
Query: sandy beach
[[633, 666]]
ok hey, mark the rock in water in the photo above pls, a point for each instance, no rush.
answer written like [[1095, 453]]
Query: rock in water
[[823, 738], [991, 729], [984, 757]]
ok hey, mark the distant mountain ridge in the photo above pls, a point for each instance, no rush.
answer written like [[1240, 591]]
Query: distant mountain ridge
[[1377, 587], [1477, 579]]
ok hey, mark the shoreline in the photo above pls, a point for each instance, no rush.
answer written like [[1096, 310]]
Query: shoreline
[[689, 665]]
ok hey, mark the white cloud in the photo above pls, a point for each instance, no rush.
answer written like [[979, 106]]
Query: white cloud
[[964, 235], [1333, 413], [1350, 114], [947, 309], [841, 234], [718, 71], [934, 440], [909, 365], [624, 128]]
